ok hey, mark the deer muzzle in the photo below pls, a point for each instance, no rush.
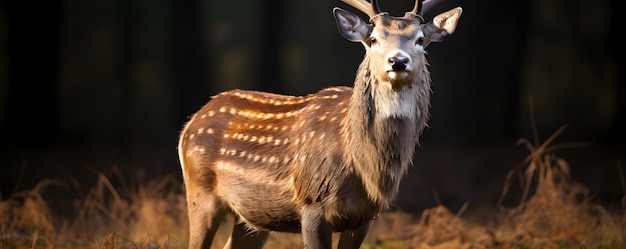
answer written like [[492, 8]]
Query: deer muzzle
[[398, 65]]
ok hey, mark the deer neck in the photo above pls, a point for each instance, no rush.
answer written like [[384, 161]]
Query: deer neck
[[382, 130]]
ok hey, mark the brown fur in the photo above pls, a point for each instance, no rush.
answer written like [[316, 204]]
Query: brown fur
[[326, 162]]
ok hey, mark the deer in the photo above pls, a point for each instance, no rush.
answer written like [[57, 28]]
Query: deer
[[323, 163]]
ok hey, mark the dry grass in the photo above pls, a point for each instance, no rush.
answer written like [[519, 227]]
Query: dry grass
[[103, 217], [553, 212], [559, 214]]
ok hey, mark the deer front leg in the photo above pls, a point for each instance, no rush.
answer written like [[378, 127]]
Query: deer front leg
[[353, 239], [205, 216], [316, 232]]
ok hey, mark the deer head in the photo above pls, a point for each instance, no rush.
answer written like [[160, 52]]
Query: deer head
[[395, 45]]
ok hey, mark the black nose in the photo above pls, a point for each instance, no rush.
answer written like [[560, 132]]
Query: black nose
[[398, 63]]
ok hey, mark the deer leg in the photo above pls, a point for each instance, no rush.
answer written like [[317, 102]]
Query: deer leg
[[316, 232], [353, 239], [243, 237], [204, 220]]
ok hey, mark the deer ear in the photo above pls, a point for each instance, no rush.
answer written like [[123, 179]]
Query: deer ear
[[351, 27], [442, 25]]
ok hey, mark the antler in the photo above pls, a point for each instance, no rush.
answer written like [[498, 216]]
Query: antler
[[418, 6], [422, 7], [371, 9]]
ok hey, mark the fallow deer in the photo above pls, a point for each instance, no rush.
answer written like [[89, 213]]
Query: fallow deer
[[316, 164]]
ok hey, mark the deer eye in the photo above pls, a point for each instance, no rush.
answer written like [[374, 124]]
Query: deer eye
[[373, 41], [420, 41]]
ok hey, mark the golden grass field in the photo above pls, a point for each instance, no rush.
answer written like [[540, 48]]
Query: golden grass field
[[554, 212]]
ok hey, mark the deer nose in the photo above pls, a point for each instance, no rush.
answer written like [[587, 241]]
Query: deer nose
[[398, 62]]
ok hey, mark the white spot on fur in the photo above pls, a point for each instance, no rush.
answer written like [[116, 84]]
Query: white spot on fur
[[199, 149], [224, 166]]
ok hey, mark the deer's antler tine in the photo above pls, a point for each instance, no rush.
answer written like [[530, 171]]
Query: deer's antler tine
[[371, 9], [427, 5], [418, 6], [375, 6]]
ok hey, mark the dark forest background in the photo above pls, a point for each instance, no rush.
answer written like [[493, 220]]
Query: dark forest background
[[90, 85]]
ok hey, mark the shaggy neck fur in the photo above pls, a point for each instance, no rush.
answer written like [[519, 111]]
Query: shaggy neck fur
[[383, 128]]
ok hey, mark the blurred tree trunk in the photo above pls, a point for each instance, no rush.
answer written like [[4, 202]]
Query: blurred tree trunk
[[125, 62], [269, 64], [33, 48], [191, 67], [617, 135], [477, 84]]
